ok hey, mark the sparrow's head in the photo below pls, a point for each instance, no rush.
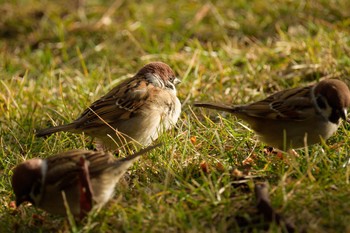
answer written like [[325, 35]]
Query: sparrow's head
[[26, 180], [334, 95], [159, 74]]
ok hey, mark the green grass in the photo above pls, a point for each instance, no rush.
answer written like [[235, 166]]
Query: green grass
[[56, 59]]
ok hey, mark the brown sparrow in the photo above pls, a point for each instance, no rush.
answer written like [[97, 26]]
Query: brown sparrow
[[137, 110], [87, 179], [288, 119]]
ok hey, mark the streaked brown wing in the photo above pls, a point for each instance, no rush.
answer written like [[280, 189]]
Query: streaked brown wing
[[64, 169], [99, 161], [120, 103], [293, 104]]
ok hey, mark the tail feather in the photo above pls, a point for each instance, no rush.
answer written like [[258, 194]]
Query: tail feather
[[123, 164], [216, 106], [51, 130], [139, 153]]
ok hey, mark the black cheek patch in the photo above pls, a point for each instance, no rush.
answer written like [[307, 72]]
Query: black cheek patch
[[320, 102], [334, 117], [169, 86]]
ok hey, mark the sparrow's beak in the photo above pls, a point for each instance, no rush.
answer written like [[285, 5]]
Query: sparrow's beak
[[177, 81], [343, 113]]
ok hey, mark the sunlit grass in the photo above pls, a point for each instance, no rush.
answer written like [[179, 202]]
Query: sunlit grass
[[57, 58]]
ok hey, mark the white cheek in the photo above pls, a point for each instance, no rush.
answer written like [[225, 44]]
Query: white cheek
[[154, 79], [173, 89], [328, 112], [43, 170]]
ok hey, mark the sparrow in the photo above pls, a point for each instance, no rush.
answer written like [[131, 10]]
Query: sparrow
[[137, 110], [83, 179], [294, 118]]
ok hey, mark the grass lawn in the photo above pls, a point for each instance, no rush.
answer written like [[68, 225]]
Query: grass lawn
[[57, 57]]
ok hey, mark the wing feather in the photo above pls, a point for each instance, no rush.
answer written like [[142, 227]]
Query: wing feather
[[120, 103], [63, 169], [293, 104]]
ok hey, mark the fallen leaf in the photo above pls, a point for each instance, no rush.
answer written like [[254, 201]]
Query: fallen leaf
[[220, 167], [204, 166], [237, 173], [12, 205], [193, 139], [248, 161]]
